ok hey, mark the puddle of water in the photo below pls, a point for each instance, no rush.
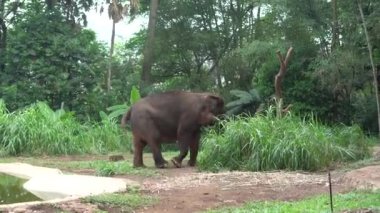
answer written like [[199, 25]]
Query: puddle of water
[[12, 191]]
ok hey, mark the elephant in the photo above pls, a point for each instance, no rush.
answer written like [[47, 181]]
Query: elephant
[[175, 116]]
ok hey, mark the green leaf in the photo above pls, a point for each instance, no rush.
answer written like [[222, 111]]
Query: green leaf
[[118, 113], [103, 116], [239, 93], [135, 95]]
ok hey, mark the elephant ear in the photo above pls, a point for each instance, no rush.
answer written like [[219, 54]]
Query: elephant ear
[[212, 106], [215, 104]]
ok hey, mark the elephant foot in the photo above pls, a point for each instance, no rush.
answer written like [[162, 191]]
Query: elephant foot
[[139, 165], [162, 165], [176, 162], [191, 163]]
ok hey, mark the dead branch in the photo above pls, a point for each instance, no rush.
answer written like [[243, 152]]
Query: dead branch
[[281, 73]]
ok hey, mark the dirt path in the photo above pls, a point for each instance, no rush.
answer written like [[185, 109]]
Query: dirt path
[[187, 190], [195, 191]]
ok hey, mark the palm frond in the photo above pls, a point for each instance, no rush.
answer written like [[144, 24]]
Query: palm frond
[[248, 101]]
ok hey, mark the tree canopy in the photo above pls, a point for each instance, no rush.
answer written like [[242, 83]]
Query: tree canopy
[[200, 45]]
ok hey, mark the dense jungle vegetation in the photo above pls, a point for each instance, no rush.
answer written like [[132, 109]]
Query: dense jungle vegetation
[[228, 47]]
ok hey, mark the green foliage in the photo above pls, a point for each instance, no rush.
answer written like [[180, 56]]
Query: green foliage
[[50, 60], [265, 143], [135, 95], [343, 75], [38, 129], [126, 201], [254, 64], [117, 110], [247, 102], [365, 109], [45, 55], [352, 201]]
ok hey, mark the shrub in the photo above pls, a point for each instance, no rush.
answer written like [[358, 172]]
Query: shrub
[[38, 129], [267, 143], [247, 102]]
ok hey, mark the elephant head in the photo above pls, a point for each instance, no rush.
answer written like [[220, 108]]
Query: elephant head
[[212, 107]]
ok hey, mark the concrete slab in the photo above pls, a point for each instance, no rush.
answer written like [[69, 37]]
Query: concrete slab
[[26, 171], [57, 186], [52, 184]]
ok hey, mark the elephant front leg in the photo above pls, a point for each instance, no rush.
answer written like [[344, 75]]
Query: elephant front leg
[[159, 161], [193, 153], [184, 143]]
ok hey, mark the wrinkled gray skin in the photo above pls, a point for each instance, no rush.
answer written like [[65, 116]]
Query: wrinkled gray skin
[[171, 117]]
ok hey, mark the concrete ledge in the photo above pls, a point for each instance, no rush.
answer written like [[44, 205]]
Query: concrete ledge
[[53, 186], [26, 171], [61, 186]]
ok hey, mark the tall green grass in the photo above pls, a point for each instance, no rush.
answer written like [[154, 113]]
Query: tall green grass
[[269, 143], [38, 129]]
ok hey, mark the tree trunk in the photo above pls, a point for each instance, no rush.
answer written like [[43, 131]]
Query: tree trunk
[[109, 71], [374, 72], [3, 43], [149, 45], [3, 35], [258, 32], [335, 27], [240, 22], [279, 77]]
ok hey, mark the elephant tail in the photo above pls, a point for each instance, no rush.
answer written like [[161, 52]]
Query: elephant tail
[[126, 117]]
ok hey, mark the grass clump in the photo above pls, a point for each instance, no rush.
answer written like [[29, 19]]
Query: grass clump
[[126, 202], [107, 168], [38, 129], [116, 168], [342, 202], [267, 143]]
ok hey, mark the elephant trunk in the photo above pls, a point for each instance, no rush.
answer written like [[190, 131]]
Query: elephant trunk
[[125, 118]]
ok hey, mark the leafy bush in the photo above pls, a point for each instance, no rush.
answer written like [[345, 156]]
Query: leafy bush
[[267, 143], [248, 102], [38, 129]]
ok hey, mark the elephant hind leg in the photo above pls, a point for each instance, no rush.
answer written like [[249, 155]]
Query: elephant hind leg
[[139, 145]]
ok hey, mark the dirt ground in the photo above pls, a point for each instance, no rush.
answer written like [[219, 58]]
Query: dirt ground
[[192, 191], [187, 190]]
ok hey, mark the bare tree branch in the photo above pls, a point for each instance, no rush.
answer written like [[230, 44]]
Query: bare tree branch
[[374, 72], [281, 73]]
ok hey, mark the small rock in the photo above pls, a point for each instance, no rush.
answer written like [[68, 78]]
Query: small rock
[[115, 158], [229, 201], [19, 210]]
